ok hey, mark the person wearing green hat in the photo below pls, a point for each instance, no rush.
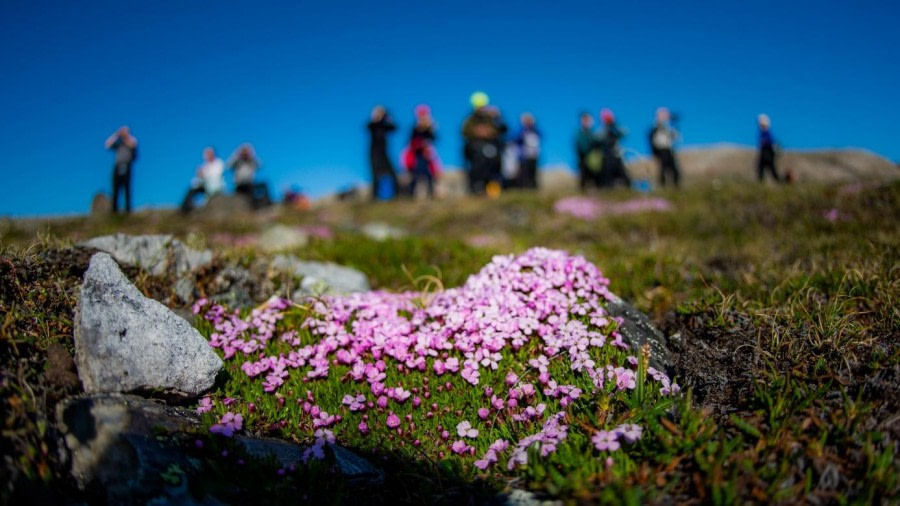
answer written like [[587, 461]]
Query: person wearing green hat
[[483, 134]]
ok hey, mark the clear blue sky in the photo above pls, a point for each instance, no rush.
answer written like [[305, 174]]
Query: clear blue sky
[[298, 81]]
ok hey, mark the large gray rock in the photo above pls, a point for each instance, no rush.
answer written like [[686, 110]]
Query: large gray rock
[[282, 238], [157, 254], [322, 277], [125, 342], [637, 329]]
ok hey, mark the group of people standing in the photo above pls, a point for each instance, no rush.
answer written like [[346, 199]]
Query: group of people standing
[[209, 178], [493, 161]]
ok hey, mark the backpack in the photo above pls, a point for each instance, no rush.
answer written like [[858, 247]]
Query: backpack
[[593, 160]]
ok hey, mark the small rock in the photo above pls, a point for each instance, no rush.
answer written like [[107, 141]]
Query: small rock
[[125, 342], [223, 206], [101, 204], [282, 238], [322, 277], [157, 254], [382, 231], [357, 469], [637, 329]]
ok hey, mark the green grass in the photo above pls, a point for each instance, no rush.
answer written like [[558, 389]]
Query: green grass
[[795, 317]]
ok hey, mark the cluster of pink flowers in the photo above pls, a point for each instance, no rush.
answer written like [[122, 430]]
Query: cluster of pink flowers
[[610, 440], [551, 434], [589, 209], [549, 300], [228, 424]]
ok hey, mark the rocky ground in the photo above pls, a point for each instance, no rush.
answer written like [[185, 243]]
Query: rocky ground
[[777, 310]]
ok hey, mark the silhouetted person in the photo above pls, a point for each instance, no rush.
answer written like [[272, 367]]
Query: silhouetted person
[[483, 134], [424, 164], [613, 171], [584, 143], [662, 144], [765, 160], [380, 125], [245, 164], [209, 180], [125, 146], [528, 141]]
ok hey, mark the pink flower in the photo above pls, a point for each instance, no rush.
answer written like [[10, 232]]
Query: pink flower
[[483, 413], [363, 427], [605, 440], [630, 431], [459, 447], [511, 378], [228, 424], [393, 421], [204, 406]]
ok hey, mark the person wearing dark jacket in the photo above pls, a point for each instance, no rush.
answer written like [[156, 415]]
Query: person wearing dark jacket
[[613, 171], [380, 125], [662, 144], [765, 160], [483, 133], [584, 142], [125, 146]]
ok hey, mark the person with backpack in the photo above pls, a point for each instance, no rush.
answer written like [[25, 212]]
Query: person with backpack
[[587, 152], [662, 144], [209, 180], [613, 170], [765, 159], [125, 146], [384, 177], [420, 157], [528, 142]]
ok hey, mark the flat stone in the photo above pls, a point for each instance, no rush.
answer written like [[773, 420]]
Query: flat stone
[[157, 254], [382, 231], [125, 342], [322, 277], [282, 238]]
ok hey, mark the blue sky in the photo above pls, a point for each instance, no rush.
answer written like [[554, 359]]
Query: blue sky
[[298, 81]]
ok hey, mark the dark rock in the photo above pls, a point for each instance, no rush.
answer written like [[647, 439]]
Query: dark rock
[[113, 446], [223, 207], [125, 342], [357, 469], [637, 330]]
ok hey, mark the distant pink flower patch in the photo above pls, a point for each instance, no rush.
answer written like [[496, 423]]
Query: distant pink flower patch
[[589, 209]]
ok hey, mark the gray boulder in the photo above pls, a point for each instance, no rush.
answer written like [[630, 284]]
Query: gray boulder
[[282, 238], [156, 254], [637, 330], [125, 342], [101, 205], [322, 277]]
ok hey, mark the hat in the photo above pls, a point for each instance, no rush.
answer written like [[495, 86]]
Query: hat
[[607, 115], [763, 119], [479, 99], [422, 110]]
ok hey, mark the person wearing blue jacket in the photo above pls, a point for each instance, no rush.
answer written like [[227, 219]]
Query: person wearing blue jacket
[[765, 159]]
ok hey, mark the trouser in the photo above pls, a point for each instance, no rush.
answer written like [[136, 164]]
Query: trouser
[[121, 181], [379, 176], [528, 173], [188, 204], [421, 172], [614, 171], [668, 167], [257, 193], [766, 163]]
